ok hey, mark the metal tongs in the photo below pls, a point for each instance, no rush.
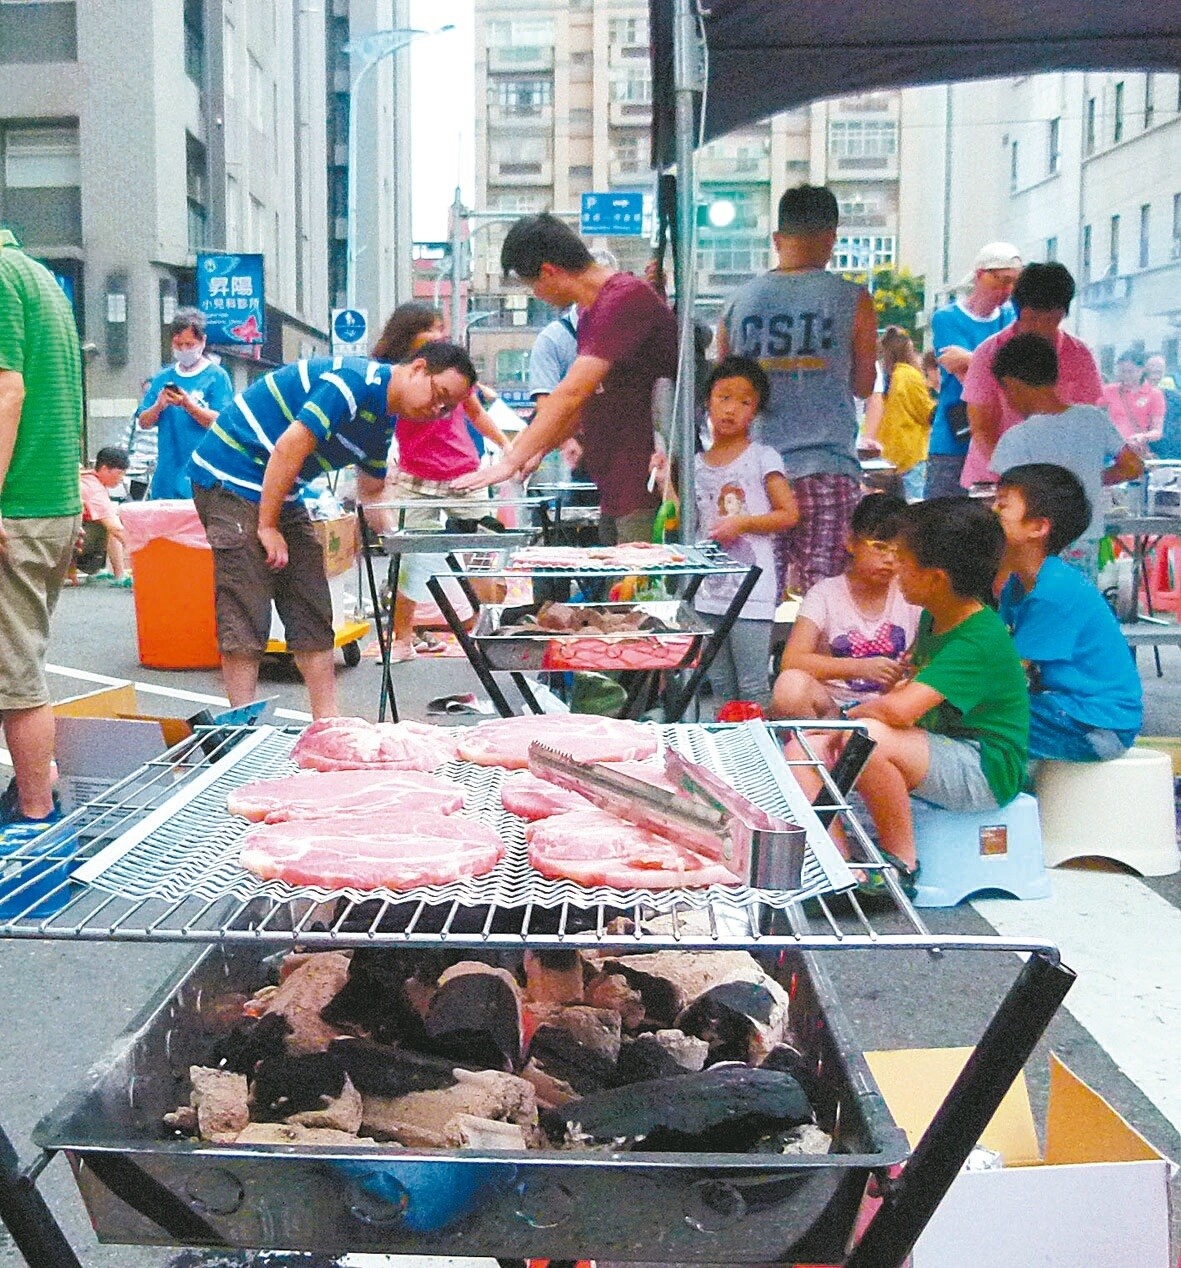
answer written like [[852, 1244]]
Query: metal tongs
[[700, 811]]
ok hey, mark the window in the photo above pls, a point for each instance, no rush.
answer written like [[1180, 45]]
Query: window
[[520, 155], [860, 253], [862, 139], [520, 32], [1013, 167], [38, 33], [1113, 249], [1090, 130], [1145, 215], [255, 228], [522, 97], [1086, 253], [258, 94], [632, 89], [1055, 148], [1051, 250], [512, 366], [194, 24], [861, 208], [739, 254], [1149, 98], [42, 158], [524, 204], [1175, 252], [1117, 127], [629, 31], [233, 214]]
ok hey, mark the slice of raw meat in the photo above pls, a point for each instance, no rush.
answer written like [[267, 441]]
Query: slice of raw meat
[[586, 738], [372, 851], [354, 744], [531, 797], [593, 847], [327, 794]]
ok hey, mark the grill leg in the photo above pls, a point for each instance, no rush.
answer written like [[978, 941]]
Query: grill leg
[[1006, 1045], [37, 1234]]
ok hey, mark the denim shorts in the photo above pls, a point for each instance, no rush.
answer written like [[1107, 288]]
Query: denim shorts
[[1054, 734], [955, 778]]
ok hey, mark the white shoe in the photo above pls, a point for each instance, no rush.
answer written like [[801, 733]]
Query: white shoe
[[400, 651]]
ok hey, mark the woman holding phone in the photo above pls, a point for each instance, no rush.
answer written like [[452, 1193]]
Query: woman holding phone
[[181, 400]]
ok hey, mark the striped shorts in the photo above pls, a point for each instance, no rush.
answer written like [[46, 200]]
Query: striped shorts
[[815, 548]]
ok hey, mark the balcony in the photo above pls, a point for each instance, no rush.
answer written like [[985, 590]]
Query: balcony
[[526, 57], [871, 167], [1107, 292], [631, 113], [752, 168], [514, 172], [518, 117]]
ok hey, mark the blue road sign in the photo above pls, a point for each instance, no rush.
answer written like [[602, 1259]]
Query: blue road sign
[[349, 325], [612, 215]]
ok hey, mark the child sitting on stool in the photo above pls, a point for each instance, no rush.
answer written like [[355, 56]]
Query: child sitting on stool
[[1084, 692], [852, 631], [954, 734]]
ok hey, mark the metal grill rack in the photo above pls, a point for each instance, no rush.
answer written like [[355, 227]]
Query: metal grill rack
[[68, 884], [702, 557]]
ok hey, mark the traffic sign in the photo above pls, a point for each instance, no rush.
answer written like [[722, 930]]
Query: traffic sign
[[612, 215], [350, 330]]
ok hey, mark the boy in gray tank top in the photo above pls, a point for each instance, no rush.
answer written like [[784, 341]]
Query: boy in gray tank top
[[815, 334]]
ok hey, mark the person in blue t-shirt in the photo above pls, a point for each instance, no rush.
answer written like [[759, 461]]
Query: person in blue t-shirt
[[285, 430], [956, 332], [1084, 691], [180, 401]]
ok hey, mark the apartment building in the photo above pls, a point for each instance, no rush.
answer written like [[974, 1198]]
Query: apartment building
[[564, 107], [134, 135]]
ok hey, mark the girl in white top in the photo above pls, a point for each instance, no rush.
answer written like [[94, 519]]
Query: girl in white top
[[852, 632]]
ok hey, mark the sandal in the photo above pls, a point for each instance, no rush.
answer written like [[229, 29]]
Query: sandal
[[426, 644], [873, 884]]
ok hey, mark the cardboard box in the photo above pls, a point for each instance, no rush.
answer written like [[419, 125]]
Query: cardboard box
[[1098, 1194], [102, 736]]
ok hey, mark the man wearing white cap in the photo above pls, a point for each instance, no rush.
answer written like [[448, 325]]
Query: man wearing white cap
[[957, 331]]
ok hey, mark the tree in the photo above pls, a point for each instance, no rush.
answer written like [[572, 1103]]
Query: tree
[[897, 296]]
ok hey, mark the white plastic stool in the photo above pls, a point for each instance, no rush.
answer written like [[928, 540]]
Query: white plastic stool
[[1121, 809], [963, 853]]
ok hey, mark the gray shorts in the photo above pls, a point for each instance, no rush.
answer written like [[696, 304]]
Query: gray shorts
[[955, 778]]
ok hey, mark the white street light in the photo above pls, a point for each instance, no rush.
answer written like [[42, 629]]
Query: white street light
[[721, 213], [364, 53]]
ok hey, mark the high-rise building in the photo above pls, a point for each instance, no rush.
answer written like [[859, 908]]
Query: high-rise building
[[564, 107], [134, 135]]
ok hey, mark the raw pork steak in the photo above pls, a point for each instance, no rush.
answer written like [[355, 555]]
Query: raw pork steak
[[524, 794], [328, 794], [593, 847], [383, 851], [505, 741], [354, 744]]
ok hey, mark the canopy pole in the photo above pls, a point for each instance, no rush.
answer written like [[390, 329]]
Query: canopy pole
[[687, 65]]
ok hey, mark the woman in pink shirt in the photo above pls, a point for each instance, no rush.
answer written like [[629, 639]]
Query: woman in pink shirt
[[431, 454], [1137, 409]]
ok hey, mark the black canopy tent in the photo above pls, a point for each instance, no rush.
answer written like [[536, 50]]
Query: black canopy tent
[[764, 56]]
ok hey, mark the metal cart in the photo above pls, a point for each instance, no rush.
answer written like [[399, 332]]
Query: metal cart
[[424, 541], [155, 861], [694, 564]]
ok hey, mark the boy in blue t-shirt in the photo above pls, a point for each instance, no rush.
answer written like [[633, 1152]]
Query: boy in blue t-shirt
[[1085, 697]]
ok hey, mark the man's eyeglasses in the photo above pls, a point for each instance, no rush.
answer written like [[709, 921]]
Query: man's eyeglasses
[[443, 401]]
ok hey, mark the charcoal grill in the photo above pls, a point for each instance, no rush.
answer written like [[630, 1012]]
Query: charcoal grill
[[147, 863]]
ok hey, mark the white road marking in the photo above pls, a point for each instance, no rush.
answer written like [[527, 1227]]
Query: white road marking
[[154, 689], [1122, 940]]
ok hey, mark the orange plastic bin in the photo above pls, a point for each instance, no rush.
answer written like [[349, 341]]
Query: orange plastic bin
[[175, 621]]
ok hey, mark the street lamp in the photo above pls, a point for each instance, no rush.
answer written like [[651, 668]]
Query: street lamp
[[364, 53]]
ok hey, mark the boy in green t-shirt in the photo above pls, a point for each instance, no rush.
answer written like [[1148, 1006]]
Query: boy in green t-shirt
[[956, 733]]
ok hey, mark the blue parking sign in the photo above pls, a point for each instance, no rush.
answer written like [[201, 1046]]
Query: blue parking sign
[[612, 215], [230, 294]]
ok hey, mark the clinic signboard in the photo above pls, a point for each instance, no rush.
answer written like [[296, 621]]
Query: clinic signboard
[[230, 294]]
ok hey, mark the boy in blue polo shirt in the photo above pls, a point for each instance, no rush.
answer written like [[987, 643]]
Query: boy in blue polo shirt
[[1084, 691]]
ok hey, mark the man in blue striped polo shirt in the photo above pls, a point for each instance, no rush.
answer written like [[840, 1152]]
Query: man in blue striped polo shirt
[[286, 429]]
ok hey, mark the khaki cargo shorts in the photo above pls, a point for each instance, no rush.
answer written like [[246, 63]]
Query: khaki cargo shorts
[[244, 586], [32, 570]]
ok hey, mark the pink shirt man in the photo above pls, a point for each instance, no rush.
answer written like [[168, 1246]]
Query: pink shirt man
[[1079, 383]]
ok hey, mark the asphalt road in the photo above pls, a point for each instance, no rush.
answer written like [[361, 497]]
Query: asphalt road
[[63, 1005]]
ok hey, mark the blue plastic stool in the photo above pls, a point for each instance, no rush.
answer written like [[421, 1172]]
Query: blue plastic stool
[[963, 853]]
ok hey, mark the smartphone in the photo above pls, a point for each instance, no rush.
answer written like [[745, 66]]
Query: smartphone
[[171, 387]]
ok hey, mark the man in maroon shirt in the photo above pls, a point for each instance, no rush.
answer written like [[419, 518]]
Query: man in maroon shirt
[[627, 340]]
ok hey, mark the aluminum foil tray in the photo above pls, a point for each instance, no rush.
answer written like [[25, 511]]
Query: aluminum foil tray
[[142, 1188], [186, 848]]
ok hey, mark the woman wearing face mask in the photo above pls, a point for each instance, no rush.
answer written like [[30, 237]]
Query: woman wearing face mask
[[182, 399]]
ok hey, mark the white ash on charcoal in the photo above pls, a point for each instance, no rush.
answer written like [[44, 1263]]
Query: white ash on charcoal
[[294, 1134], [675, 1050]]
